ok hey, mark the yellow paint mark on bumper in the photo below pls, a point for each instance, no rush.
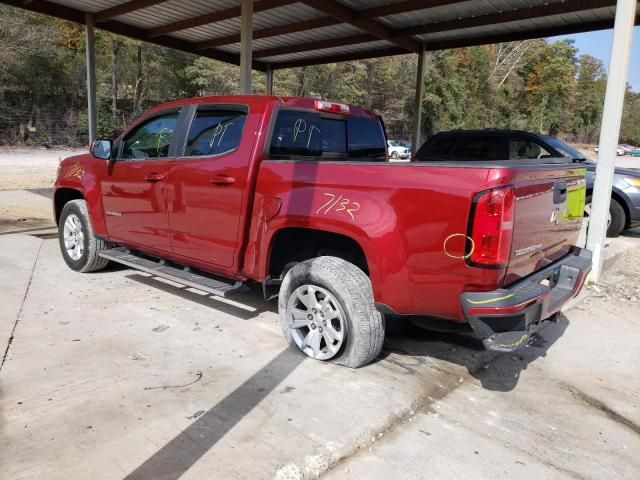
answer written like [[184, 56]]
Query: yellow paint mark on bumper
[[490, 300]]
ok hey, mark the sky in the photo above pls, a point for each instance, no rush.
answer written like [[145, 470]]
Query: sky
[[598, 45]]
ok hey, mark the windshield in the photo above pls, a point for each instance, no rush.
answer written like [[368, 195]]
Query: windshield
[[564, 149]]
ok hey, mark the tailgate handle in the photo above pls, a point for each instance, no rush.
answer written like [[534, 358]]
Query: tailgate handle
[[559, 192]]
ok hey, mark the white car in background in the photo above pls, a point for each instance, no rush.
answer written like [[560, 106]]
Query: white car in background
[[397, 151], [620, 150]]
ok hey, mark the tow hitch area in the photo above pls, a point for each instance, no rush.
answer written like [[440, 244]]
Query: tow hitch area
[[505, 319]]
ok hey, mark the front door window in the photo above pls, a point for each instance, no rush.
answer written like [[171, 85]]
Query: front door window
[[151, 139]]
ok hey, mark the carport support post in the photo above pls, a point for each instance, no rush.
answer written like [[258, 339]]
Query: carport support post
[[269, 80], [246, 40], [417, 107], [91, 76], [609, 131]]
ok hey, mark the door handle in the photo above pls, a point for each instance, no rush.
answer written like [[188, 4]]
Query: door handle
[[222, 180], [153, 177], [559, 192]]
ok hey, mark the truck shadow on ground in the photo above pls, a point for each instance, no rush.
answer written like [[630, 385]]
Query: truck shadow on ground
[[245, 306], [413, 348]]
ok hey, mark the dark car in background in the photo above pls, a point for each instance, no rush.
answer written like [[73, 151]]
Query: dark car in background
[[501, 145]]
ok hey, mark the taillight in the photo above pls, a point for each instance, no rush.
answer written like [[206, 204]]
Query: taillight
[[492, 228], [331, 107]]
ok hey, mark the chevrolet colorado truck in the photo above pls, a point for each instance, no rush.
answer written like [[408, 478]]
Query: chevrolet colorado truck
[[298, 195]]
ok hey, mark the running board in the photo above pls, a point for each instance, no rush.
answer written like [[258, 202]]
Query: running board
[[184, 276]]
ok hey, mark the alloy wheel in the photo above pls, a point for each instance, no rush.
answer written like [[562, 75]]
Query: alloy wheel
[[73, 237], [316, 321]]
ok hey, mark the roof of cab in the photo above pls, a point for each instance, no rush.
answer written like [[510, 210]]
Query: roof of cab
[[255, 100]]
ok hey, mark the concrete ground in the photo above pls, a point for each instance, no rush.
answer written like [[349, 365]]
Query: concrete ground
[[121, 375]]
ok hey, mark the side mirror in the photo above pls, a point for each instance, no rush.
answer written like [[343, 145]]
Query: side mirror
[[102, 149]]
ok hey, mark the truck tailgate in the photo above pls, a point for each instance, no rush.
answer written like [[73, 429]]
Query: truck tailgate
[[549, 207]]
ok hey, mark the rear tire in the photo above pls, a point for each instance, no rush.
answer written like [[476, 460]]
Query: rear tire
[[329, 289], [618, 219], [78, 244]]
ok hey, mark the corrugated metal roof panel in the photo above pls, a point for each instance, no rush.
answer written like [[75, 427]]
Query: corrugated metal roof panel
[[298, 38], [328, 52], [176, 10], [90, 6], [362, 4], [455, 11], [534, 23], [266, 19], [173, 11]]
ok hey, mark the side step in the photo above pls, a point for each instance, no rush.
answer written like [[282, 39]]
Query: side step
[[184, 276]]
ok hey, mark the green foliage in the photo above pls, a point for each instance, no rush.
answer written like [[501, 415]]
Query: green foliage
[[630, 129], [534, 85]]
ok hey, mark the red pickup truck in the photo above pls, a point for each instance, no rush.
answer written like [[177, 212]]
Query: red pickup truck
[[298, 194]]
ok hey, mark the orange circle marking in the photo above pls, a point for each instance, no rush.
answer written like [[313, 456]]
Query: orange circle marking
[[460, 257]]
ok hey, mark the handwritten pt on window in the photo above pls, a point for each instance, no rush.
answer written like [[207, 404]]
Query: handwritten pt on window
[[218, 133], [300, 126]]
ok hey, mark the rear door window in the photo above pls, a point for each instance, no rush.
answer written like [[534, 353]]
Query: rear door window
[[215, 131], [366, 139], [307, 134]]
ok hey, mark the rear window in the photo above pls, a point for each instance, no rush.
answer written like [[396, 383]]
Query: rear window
[[525, 149], [307, 134], [463, 147]]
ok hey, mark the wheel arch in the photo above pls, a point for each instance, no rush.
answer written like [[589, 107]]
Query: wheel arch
[[296, 244], [618, 197], [63, 196], [625, 206]]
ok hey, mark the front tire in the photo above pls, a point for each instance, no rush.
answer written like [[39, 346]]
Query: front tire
[[327, 310], [78, 244], [394, 155]]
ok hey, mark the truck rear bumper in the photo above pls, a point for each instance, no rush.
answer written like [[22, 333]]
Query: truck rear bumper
[[504, 319]]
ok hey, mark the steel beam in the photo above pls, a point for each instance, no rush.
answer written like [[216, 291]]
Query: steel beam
[[246, 45], [350, 16], [416, 141], [91, 76], [269, 80], [609, 131]]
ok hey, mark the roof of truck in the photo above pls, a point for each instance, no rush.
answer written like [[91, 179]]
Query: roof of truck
[[260, 100]]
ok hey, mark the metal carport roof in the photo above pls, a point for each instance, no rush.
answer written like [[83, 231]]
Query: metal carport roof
[[291, 33]]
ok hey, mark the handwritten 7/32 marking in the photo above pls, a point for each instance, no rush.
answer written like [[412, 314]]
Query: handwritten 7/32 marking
[[339, 204]]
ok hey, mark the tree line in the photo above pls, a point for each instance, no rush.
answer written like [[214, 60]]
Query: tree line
[[534, 85]]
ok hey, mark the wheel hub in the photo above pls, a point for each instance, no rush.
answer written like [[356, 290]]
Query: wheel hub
[[73, 236], [316, 321]]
